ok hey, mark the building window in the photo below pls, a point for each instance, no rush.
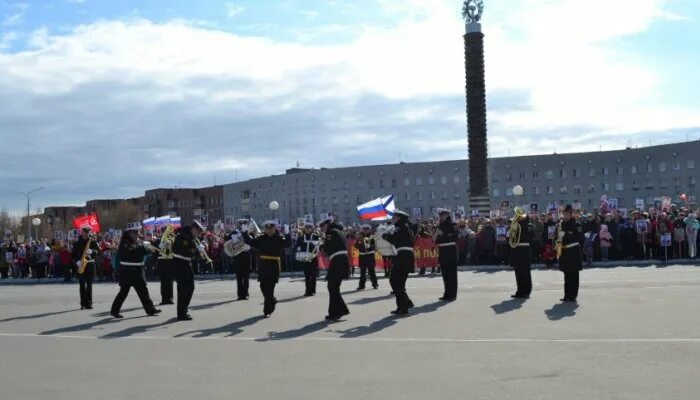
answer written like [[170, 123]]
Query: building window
[[456, 194], [523, 176], [591, 188], [406, 196], [591, 171], [419, 181], [634, 169], [676, 165], [576, 173], [604, 187], [509, 192], [662, 167], [455, 179], [432, 195], [604, 171], [676, 182], [649, 185], [620, 186], [394, 183], [577, 189], [550, 174], [691, 181], [535, 174], [407, 182], [690, 164], [536, 190], [562, 173], [419, 196], [444, 195], [496, 192], [381, 183], [649, 168], [443, 180], [619, 170], [550, 190], [431, 180], [562, 189], [509, 176]]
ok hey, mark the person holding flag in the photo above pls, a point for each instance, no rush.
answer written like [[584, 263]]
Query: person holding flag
[[402, 238]]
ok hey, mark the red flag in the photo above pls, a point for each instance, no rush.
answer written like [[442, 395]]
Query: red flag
[[90, 220]]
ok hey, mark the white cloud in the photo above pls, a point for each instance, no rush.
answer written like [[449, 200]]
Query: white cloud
[[6, 40], [233, 9], [16, 16], [135, 90]]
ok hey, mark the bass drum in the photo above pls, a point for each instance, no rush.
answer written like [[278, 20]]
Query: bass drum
[[235, 246], [384, 248]]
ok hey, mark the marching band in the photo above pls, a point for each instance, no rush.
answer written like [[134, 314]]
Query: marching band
[[176, 250]]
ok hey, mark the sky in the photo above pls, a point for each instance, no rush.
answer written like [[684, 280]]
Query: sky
[[105, 99]]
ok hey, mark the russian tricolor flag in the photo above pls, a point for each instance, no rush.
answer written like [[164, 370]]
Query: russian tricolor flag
[[176, 222], [377, 209], [149, 224]]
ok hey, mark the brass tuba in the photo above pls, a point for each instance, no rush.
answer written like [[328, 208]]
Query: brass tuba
[[515, 229]]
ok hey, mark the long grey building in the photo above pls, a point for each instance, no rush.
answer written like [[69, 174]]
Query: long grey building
[[625, 175]]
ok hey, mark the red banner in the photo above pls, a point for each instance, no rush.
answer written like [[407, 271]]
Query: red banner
[[90, 220], [424, 250]]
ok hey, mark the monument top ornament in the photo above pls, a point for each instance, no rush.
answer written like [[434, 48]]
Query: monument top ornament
[[472, 10]]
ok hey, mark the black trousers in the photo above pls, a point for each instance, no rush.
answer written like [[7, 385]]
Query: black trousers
[[242, 265], [184, 276], [448, 262], [571, 283], [85, 283], [132, 277], [570, 264], [367, 266], [310, 275], [165, 274], [267, 287], [521, 261], [337, 271], [402, 264]]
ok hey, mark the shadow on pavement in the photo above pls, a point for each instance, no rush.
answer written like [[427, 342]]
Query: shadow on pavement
[[107, 313], [289, 300], [561, 310], [35, 316], [232, 329], [81, 327], [370, 300], [136, 329], [210, 305], [389, 320], [507, 306], [295, 333]]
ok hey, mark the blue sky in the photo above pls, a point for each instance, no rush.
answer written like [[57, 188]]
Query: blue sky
[[166, 93]]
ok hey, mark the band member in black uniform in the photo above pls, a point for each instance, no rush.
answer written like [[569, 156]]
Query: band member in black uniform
[[366, 246], [520, 234], [185, 248], [85, 278], [446, 239], [570, 233], [335, 246], [242, 261], [306, 243], [270, 246], [165, 265], [131, 272], [402, 238]]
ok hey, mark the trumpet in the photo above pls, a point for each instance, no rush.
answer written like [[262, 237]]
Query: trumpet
[[515, 230], [202, 251]]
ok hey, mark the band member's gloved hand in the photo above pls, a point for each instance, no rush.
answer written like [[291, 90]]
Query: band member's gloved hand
[[200, 248], [78, 263], [88, 252]]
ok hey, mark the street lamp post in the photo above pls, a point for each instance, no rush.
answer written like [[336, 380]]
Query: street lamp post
[[28, 195]]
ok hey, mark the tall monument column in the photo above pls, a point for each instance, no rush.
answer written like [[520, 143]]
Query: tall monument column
[[476, 107]]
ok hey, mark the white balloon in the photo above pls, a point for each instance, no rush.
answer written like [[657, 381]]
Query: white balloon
[[518, 190], [274, 205]]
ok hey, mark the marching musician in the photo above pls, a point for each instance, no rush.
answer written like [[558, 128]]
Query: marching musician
[[446, 239], [242, 260], [402, 238], [270, 246], [306, 244], [165, 266], [132, 252], [82, 254], [335, 246], [570, 233], [185, 248], [520, 235], [366, 246]]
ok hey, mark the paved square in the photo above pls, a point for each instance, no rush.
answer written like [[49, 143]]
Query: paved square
[[635, 334]]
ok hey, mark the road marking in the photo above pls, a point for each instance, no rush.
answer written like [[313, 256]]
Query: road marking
[[370, 339]]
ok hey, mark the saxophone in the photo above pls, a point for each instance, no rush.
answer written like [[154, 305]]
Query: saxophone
[[84, 257], [166, 242], [559, 246]]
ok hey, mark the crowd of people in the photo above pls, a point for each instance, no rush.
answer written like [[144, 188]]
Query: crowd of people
[[481, 241]]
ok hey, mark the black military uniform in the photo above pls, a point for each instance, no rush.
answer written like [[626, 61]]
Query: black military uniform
[[335, 247], [402, 239], [131, 273], [85, 279], [165, 271], [307, 243], [184, 251], [242, 262], [446, 240], [570, 262], [270, 248], [521, 259], [367, 248]]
